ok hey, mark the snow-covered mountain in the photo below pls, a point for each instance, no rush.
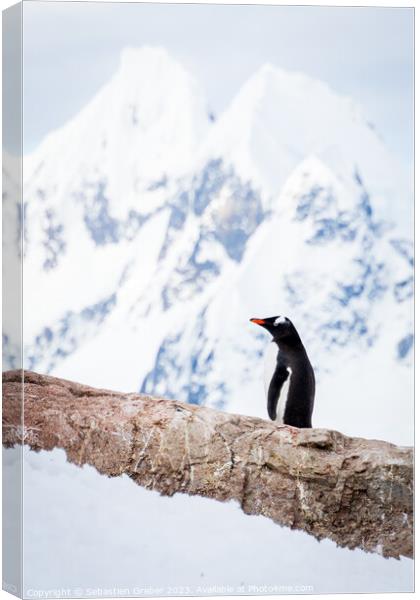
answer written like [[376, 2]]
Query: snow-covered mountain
[[154, 231]]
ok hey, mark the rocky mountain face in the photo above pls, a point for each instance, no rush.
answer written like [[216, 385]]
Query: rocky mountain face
[[154, 231]]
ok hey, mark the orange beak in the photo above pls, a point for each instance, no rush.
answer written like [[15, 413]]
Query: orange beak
[[257, 321]]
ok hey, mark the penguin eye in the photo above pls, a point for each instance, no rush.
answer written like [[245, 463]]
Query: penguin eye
[[280, 321]]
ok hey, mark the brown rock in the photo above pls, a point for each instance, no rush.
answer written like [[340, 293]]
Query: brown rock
[[356, 492]]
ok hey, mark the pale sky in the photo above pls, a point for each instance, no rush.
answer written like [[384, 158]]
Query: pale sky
[[72, 49]]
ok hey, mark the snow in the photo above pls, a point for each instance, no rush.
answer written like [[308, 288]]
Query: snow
[[86, 532], [279, 118], [144, 124]]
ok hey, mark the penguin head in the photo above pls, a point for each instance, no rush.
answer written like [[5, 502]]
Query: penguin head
[[281, 328]]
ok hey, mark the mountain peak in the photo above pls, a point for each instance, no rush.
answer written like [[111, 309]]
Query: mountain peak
[[152, 108], [273, 74], [286, 88], [280, 117]]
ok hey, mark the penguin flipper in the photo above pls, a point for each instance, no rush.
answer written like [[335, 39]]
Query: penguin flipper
[[279, 378]]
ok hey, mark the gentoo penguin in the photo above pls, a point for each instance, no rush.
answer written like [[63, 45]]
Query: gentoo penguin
[[291, 383]]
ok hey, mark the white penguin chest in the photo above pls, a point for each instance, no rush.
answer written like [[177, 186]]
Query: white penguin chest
[[270, 364]]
